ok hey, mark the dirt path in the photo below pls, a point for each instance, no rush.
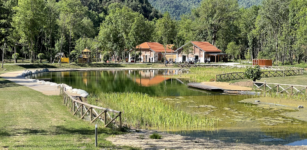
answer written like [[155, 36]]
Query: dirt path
[[227, 86], [46, 89], [171, 141]]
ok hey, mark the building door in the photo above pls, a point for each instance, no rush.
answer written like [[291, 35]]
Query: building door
[[184, 58], [196, 58]]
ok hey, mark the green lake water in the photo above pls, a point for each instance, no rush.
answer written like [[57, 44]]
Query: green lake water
[[238, 122]]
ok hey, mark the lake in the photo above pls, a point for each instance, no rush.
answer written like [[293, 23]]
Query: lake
[[238, 122]]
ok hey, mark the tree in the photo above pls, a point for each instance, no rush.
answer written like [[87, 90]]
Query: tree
[[212, 16], [15, 57], [29, 21], [165, 31], [40, 56], [253, 73], [233, 50], [118, 31], [73, 20]]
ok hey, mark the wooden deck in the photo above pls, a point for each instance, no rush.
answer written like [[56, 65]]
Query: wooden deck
[[219, 86], [205, 87]]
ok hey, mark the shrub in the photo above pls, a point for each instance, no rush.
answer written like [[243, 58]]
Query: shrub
[[253, 73], [155, 136]]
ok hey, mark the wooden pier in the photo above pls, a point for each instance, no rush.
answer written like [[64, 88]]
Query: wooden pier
[[219, 87], [205, 87]]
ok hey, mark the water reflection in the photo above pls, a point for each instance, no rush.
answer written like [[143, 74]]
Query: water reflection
[[152, 82]]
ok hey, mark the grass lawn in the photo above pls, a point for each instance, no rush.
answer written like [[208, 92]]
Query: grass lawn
[[205, 74], [31, 120], [296, 80]]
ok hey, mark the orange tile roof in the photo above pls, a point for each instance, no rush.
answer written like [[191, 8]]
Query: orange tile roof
[[206, 46], [155, 46], [153, 81]]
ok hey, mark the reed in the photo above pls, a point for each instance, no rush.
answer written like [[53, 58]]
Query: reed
[[141, 110]]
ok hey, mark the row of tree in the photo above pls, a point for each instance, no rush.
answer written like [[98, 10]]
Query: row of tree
[[274, 30]]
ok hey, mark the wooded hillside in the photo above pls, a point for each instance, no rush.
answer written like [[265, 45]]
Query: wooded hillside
[[178, 7]]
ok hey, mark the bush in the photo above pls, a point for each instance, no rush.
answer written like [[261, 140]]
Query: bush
[[15, 56], [253, 73], [155, 136]]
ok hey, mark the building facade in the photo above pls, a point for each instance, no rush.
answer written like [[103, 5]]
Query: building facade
[[196, 51], [152, 52]]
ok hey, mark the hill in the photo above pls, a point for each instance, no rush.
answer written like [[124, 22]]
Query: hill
[[178, 7], [141, 6]]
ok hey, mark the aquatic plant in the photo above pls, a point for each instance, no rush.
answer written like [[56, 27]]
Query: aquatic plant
[[141, 110], [155, 136]]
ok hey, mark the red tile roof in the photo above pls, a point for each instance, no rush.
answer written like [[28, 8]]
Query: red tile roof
[[206, 46], [150, 82], [155, 46]]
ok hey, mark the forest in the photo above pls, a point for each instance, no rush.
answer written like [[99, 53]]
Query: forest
[[275, 29], [176, 8]]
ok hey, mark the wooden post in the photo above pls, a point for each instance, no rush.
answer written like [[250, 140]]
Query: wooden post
[[105, 117], [291, 90], [73, 106], [264, 88], [120, 120], [91, 115], [278, 88], [81, 109]]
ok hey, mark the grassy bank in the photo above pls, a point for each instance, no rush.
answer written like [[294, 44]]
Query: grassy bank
[[16, 67], [295, 80], [31, 120], [144, 111], [202, 74]]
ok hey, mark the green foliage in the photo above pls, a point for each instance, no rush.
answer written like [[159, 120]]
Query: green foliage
[[233, 49], [123, 29], [165, 30], [253, 73], [40, 55], [155, 136], [15, 56], [177, 8]]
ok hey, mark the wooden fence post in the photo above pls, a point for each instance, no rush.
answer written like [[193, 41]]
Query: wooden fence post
[[278, 88], [215, 77], [105, 117], [120, 120], [91, 115], [264, 88], [73, 106], [291, 90]]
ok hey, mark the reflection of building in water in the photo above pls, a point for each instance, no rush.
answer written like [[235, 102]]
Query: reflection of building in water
[[170, 72], [151, 81], [152, 73], [84, 77], [65, 74]]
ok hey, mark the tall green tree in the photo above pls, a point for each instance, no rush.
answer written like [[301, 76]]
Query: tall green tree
[[165, 31], [29, 20], [213, 16]]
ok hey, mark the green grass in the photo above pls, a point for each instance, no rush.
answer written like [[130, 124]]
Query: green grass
[[295, 80], [141, 110], [31, 120], [203, 74]]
